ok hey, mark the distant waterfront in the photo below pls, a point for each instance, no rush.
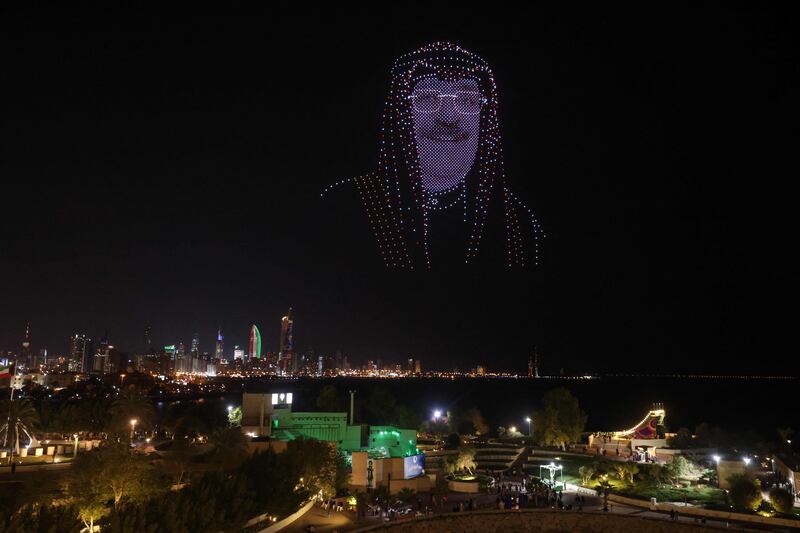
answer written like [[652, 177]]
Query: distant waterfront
[[612, 403]]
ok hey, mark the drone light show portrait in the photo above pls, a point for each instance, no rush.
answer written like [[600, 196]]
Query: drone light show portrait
[[439, 180]]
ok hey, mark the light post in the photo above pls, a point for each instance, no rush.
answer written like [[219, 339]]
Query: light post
[[75, 448], [528, 420], [133, 427]]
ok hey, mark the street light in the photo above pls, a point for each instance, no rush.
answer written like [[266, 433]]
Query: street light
[[746, 460], [230, 408], [528, 420], [513, 429], [133, 427], [437, 414], [717, 459]]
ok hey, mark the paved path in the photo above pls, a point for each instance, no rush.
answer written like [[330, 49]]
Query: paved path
[[318, 517]]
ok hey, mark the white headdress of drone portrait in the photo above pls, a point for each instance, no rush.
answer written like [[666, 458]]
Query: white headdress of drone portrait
[[448, 103]]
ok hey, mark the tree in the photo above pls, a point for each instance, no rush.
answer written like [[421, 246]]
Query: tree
[[131, 404], [621, 471], [230, 447], [320, 465], [235, 416], [472, 423], [361, 503], [90, 509], [406, 418], [782, 500], [745, 492], [21, 417], [112, 472], [440, 489], [682, 439], [328, 400], [181, 451], [604, 487], [586, 473], [465, 460], [380, 496], [560, 421], [407, 495], [631, 469], [380, 405], [679, 468], [449, 463], [453, 440]]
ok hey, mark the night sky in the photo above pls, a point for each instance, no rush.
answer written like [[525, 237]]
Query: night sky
[[166, 170]]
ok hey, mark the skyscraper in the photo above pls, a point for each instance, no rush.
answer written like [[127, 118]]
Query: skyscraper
[[255, 343], [220, 351], [196, 346], [286, 361], [25, 354], [77, 353], [148, 339], [238, 353], [101, 357]]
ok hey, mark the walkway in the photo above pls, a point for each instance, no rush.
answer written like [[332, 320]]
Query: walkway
[[318, 517]]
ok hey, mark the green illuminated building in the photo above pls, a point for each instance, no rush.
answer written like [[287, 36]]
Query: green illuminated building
[[271, 415]]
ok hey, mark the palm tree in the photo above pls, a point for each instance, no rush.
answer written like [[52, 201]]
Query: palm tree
[[22, 418], [130, 404], [230, 446], [407, 495]]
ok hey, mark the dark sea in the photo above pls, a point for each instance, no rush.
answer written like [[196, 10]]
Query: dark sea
[[612, 403]]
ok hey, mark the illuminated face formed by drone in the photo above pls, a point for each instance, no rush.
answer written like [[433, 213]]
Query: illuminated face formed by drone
[[446, 129], [440, 151]]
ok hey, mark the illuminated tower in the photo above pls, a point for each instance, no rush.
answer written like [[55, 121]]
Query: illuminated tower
[[77, 352], [148, 339], [285, 353], [25, 354], [195, 346], [219, 353], [255, 343]]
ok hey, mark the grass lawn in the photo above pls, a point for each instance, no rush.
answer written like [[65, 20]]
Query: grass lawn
[[695, 494]]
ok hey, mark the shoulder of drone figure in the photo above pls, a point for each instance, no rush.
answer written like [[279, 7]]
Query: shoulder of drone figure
[[347, 185], [515, 203]]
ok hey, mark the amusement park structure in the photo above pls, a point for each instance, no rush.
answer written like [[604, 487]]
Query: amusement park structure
[[640, 442], [650, 427]]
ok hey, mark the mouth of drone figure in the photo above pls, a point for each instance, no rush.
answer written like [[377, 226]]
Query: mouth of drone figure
[[444, 134]]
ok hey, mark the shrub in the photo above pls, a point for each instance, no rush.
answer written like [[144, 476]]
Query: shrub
[[745, 492], [781, 500]]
